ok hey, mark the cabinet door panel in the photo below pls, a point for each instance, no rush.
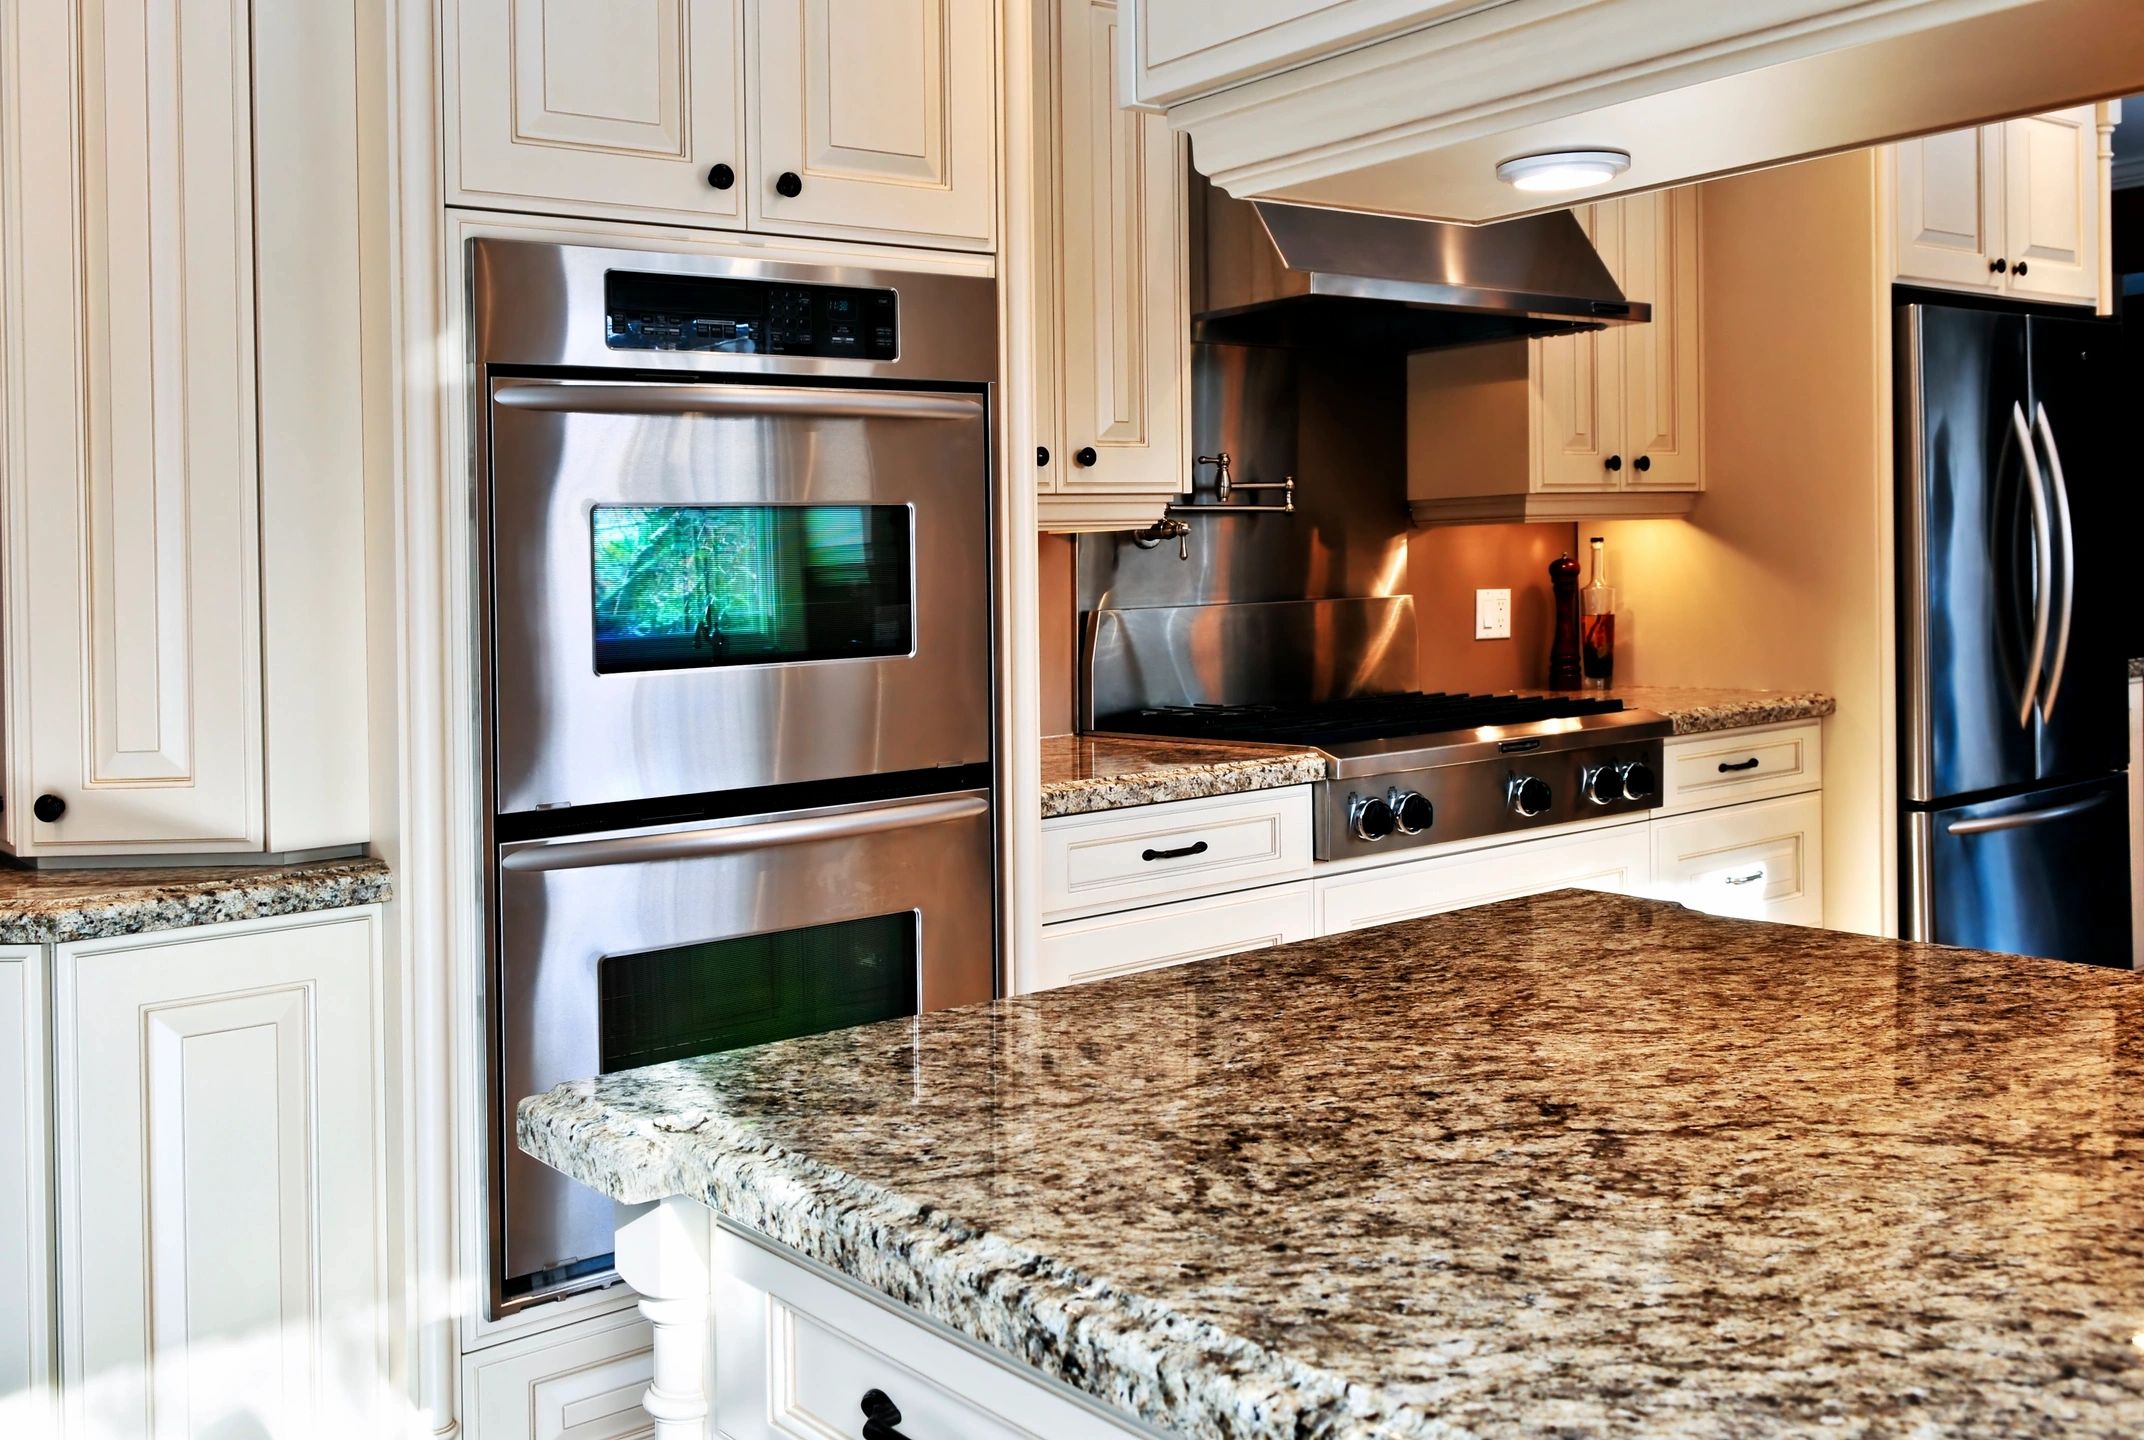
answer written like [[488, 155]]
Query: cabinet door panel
[[1578, 379], [1618, 860], [2051, 205], [883, 110], [1762, 861], [25, 1175], [219, 1139], [1121, 271], [1660, 360], [137, 602], [624, 104], [1950, 208], [1077, 951]]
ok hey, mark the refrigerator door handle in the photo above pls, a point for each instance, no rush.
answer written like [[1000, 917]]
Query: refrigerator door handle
[[2068, 583], [1982, 824], [2043, 553]]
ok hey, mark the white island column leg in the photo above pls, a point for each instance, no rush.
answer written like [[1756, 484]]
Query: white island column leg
[[662, 1252]]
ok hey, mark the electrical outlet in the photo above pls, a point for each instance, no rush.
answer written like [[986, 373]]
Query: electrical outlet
[[1492, 614]]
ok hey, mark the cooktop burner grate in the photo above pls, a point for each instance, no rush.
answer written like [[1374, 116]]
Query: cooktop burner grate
[[1366, 717]]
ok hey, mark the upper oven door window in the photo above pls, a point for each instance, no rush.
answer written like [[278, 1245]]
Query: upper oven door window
[[704, 587], [679, 587]]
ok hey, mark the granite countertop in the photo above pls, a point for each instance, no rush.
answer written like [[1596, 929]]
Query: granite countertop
[[1573, 1165], [1702, 710], [1085, 773], [2136, 667], [48, 907]]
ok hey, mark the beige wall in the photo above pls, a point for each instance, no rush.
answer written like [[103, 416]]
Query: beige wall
[[1445, 565], [1059, 631]]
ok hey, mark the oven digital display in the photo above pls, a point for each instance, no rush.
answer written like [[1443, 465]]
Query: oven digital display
[[680, 587]]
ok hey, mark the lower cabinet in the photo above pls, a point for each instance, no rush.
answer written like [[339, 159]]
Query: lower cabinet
[[585, 1383], [1761, 861], [25, 1187], [1617, 859], [219, 1133], [1159, 935]]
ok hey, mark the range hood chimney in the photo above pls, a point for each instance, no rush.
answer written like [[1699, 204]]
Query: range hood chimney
[[1273, 274]]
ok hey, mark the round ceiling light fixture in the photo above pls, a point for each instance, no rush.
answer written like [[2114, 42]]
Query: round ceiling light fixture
[[1555, 170]]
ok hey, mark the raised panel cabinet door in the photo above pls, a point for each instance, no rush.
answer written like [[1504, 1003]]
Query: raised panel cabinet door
[[2051, 206], [219, 1131], [25, 1189], [583, 1381], [1949, 195], [134, 608], [622, 106], [1122, 271], [1661, 428], [1578, 385], [875, 119]]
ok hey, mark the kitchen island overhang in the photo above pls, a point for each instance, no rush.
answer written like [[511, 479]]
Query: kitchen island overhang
[[1575, 1163]]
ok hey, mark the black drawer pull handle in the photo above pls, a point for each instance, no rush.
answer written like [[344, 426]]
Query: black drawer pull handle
[[1196, 847], [1750, 764], [880, 1416]]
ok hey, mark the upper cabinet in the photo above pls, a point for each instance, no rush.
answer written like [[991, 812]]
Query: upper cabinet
[[1114, 421], [850, 118], [184, 407], [2008, 209], [1597, 424]]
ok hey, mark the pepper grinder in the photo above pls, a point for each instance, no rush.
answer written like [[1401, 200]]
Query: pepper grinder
[[1563, 672]]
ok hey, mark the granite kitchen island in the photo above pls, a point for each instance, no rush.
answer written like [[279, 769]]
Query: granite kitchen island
[[1573, 1165]]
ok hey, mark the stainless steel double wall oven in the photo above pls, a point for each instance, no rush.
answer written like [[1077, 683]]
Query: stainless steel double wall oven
[[734, 576]]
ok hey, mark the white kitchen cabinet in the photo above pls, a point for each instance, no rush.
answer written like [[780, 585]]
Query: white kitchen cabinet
[[220, 1124], [1117, 423], [26, 1310], [1758, 861], [1148, 854], [1601, 424], [627, 106], [2010, 209], [1075, 951], [581, 1383], [184, 422], [1616, 858], [1733, 767]]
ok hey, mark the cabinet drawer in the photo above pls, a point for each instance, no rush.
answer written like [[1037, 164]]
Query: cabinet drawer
[[1739, 765], [796, 1353], [1617, 859], [1079, 950], [1120, 858], [582, 1383], [1762, 861]]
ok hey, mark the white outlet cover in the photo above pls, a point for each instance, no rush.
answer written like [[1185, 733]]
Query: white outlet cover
[[1492, 614]]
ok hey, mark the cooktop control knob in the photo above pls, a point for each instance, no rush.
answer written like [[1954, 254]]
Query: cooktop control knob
[[1639, 782], [1369, 817], [1530, 795], [1411, 810], [1604, 784]]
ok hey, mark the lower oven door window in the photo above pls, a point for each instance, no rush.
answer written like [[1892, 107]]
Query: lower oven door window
[[726, 994]]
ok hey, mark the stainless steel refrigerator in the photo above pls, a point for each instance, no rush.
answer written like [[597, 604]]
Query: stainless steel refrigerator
[[2013, 545]]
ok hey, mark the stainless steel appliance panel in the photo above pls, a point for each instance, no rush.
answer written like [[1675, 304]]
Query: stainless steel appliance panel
[[568, 735], [2030, 874], [567, 904]]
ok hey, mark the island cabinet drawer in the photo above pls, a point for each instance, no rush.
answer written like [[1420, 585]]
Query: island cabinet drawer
[[582, 1382], [796, 1353], [1737, 765], [1763, 861], [1618, 859], [1074, 951], [1120, 858]]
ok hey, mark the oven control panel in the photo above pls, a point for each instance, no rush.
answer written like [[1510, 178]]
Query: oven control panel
[[644, 311]]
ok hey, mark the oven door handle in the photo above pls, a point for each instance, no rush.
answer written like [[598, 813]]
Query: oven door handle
[[738, 839], [603, 397]]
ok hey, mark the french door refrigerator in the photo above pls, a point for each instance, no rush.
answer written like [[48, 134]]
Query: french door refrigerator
[[2013, 529]]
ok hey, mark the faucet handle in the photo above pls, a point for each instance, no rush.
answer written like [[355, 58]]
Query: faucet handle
[[1222, 484]]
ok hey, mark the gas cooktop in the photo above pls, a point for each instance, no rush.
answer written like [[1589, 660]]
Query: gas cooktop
[[1419, 769]]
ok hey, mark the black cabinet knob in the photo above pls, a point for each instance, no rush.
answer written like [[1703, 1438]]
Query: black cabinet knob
[[1042, 454], [789, 184], [1643, 462], [1084, 456], [48, 808], [1998, 265], [2018, 269], [721, 177], [880, 1416], [1614, 463]]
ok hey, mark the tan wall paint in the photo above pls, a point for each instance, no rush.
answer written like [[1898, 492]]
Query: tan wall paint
[[1059, 632], [1781, 577], [1445, 565]]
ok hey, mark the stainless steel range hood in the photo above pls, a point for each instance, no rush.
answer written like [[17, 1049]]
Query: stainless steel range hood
[[1272, 274]]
